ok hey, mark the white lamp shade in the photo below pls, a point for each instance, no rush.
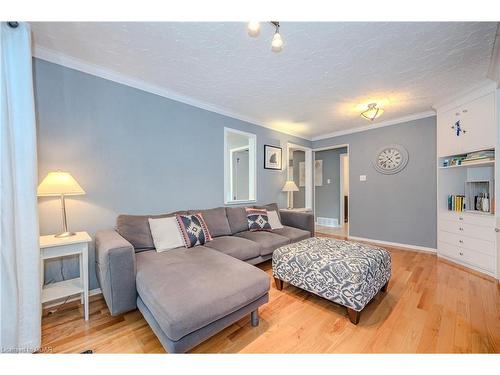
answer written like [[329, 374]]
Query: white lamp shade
[[290, 186], [59, 183]]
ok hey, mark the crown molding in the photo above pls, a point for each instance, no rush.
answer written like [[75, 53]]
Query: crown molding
[[58, 58], [494, 69], [485, 87], [396, 121]]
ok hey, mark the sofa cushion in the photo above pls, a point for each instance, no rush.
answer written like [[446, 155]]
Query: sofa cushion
[[135, 229], [216, 220], [270, 207], [274, 219], [166, 234], [187, 289], [294, 234], [237, 247], [237, 217], [257, 220], [269, 241], [194, 230]]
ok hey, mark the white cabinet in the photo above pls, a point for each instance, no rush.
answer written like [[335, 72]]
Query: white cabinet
[[467, 238], [477, 119]]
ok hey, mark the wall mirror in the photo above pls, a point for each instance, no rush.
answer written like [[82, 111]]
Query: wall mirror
[[240, 173]]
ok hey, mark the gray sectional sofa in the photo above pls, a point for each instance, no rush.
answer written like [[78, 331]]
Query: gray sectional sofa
[[188, 295]]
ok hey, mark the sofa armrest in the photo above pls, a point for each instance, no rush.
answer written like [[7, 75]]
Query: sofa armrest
[[300, 220], [115, 268]]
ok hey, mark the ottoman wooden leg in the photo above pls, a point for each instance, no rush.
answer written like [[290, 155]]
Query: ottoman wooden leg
[[353, 315], [384, 288], [279, 283]]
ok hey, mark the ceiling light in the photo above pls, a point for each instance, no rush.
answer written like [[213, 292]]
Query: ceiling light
[[254, 29], [277, 41], [372, 112]]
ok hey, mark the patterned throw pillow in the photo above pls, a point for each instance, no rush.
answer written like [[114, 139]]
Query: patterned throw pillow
[[194, 229], [257, 219]]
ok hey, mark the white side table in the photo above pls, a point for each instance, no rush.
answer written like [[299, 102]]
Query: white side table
[[53, 247]]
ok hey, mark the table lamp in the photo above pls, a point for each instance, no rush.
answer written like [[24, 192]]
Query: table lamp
[[60, 184], [289, 187]]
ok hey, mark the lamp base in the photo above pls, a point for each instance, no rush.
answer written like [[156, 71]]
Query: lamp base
[[65, 234]]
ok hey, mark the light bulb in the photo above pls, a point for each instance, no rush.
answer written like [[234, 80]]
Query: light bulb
[[277, 43], [254, 28]]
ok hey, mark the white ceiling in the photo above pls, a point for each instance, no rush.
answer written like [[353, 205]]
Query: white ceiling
[[316, 85]]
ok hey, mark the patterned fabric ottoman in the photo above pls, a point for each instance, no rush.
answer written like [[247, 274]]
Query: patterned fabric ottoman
[[345, 272]]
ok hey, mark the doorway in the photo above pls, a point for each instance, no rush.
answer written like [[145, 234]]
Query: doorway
[[331, 190]]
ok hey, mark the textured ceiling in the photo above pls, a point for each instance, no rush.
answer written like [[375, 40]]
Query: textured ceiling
[[319, 82]]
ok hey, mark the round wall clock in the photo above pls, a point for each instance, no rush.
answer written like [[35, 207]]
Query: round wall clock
[[391, 159]]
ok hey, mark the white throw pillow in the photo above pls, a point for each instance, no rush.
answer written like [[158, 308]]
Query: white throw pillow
[[166, 233], [274, 220]]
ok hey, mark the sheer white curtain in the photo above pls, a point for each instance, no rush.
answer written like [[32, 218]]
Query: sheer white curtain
[[19, 260]]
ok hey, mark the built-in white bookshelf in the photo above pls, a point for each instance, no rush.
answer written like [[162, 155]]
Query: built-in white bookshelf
[[472, 181]]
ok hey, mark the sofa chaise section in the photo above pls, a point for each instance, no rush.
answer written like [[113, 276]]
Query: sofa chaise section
[[190, 293]]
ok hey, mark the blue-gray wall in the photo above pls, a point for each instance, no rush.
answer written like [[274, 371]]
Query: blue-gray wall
[[396, 208], [132, 152], [327, 196]]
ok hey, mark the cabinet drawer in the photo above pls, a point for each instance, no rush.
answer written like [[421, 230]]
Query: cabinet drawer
[[467, 257], [474, 219], [473, 244], [469, 230]]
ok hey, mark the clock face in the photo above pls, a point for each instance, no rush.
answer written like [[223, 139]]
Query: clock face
[[391, 159]]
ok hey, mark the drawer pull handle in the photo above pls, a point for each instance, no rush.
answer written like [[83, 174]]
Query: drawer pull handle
[[461, 229], [460, 218], [460, 241], [461, 253]]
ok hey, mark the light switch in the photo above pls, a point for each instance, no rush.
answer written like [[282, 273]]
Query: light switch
[[328, 181], [362, 177]]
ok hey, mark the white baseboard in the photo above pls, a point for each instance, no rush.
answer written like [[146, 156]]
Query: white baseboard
[[92, 292], [395, 244]]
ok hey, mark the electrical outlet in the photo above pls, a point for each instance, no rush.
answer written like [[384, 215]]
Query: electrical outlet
[[362, 177], [328, 181]]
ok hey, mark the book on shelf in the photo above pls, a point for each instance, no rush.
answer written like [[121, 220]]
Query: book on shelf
[[457, 203]]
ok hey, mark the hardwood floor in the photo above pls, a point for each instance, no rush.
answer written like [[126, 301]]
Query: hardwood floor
[[431, 306]]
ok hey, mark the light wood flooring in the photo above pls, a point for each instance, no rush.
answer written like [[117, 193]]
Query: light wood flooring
[[431, 306]]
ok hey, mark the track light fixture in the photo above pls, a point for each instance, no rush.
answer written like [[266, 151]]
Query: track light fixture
[[277, 41]]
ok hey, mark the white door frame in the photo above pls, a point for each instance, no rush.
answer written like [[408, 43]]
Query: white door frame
[[309, 170], [341, 215], [349, 200]]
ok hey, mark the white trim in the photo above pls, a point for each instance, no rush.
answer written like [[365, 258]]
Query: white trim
[[309, 171], [484, 88], [395, 244], [399, 120], [111, 75], [331, 147], [466, 265], [341, 206], [49, 305], [55, 57], [252, 167]]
